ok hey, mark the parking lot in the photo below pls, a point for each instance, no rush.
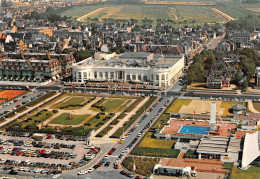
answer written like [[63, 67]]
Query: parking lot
[[48, 153]]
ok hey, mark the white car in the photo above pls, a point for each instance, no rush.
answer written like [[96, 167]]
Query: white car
[[21, 169], [82, 172], [26, 169], [90, 170]]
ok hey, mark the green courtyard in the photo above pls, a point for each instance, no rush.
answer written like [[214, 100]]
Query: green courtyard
[[64, 119]]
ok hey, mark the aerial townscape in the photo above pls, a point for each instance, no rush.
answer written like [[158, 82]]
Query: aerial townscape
[[117, 89]]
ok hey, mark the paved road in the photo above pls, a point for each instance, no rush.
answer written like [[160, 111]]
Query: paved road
[[10, 107], [109, 172]]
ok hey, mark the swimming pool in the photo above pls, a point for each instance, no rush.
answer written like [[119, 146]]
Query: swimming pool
[[200, 130]]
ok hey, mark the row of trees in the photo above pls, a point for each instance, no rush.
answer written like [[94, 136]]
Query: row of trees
[[50, 15], [248, 23], [201, 63]]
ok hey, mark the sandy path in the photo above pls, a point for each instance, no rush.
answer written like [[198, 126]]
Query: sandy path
[[223, 14], [251, 107], [89, 14]]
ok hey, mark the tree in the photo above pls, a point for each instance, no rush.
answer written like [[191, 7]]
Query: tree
[[82, 54], [244, 85], [237, 78]]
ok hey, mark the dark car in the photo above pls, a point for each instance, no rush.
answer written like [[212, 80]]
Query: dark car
[[13, 172], [107, 164], [123, 172]]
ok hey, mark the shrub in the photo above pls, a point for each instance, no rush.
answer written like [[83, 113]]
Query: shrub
[[155, 152]]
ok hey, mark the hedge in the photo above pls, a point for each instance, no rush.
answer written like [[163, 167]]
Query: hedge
[[191, 154], [104, 131], [155, 152]]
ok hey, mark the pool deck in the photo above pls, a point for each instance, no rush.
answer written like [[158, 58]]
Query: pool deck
[[222, 129]]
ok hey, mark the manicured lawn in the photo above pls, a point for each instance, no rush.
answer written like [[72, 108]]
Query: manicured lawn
[[112, 104], [228, 105], [64, 120], [177, 104], [251, 173], [39, 117], [257, 106], [72, 101], [150, 142]]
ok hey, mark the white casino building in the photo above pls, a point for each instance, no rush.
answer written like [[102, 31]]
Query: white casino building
[[136, 67]]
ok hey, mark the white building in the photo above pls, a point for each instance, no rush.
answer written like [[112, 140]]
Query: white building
[[140, 67]]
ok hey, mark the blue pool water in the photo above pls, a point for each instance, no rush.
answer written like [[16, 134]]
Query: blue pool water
[[200, 130]]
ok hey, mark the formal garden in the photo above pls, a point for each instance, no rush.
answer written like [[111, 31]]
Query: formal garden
[[79, 114]]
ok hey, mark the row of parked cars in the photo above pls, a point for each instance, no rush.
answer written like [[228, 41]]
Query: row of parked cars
[[20, 104], [87, 158], [14, 170], [222, 99], [28, 163], [32, 143], [57, 136], [18, 151]]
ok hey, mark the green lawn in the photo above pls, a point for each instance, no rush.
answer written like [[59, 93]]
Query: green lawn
[[177, 13], [63, 119], [232, 10], [257, 106], [112, 104], [77, 11], [72, 101], [150, 142], [251, 173], [39, 117], [177, 104]]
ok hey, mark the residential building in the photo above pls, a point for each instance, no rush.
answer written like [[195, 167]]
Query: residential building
[[218, 76], [34, 66]]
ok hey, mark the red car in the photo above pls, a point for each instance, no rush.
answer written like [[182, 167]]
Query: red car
[[18, 106], [47, 91], [15, 100], [42, 151], [116, 167], [110, 152], [39, 95], [100, 164], [48, 137], [19, 153], [1, 147]]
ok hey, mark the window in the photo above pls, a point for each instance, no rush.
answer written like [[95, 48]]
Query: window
[[145, 78], [140, 77], [111, 75], [133, 77], [128, 77], [151, 77], [100, 75], [157, 77], [106, 75], [163, 77], [85, 74], [79, 74], [95, 74]]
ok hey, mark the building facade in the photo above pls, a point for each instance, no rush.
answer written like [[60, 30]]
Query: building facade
[[140, 67], [34, 66]]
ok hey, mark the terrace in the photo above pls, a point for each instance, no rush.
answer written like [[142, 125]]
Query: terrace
[[196, 128]]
